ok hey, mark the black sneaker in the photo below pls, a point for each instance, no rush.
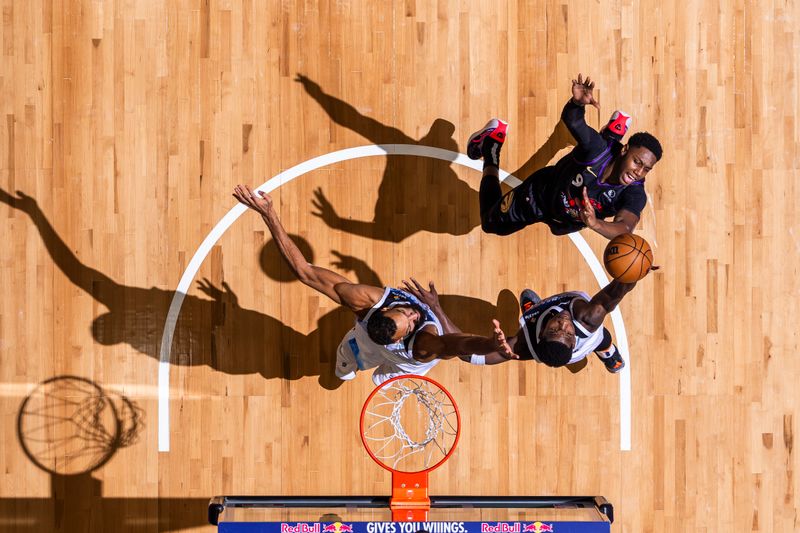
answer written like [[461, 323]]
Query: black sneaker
[[495, 129], [528, 299], [614, 363]]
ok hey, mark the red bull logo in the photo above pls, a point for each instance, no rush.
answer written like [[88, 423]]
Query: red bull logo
[[337, 527], [537, 527], [501, 527], [300, 528]]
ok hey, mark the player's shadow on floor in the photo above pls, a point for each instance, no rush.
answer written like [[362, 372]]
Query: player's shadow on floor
[[219, 332], [415, 193]]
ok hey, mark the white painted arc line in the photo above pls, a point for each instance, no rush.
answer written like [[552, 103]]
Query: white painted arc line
[[622, 344], [312, 164]]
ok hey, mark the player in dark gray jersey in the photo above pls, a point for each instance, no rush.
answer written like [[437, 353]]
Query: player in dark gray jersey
[[601, 178], [563, 329]]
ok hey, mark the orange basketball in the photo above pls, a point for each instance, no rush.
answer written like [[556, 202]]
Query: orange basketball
[[628, 258]]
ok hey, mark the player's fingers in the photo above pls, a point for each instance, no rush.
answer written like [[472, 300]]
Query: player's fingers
[[433, 289], [416, 283], [238, 194], [498, 331]]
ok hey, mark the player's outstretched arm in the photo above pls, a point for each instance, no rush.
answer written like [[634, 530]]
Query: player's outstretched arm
[[338, 288], [429, 346], [593, 313], [431, 299]]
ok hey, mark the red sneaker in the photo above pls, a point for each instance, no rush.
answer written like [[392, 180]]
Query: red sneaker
[[494, 129]]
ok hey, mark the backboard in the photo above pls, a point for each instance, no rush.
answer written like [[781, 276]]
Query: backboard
[[447, 514]]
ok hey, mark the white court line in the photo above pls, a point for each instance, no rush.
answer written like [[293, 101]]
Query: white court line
[[337, 157]]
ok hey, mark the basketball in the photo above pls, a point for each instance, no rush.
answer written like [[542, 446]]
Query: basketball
[[628, 258]]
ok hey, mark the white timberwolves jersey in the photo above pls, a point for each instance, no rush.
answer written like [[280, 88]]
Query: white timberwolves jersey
[[534, 319], [358, 352]]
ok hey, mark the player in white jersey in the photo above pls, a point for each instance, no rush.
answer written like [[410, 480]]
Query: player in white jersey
[[395, 330], [563, 329], [358, 350]]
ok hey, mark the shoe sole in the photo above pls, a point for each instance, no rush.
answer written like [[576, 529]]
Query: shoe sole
[[615, 370], [622, 121], [495, 128], [533, 301]]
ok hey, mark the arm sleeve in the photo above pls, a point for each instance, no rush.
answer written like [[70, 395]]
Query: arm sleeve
[[590, 143]]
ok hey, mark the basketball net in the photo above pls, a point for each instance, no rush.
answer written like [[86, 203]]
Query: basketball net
[[410, 425]]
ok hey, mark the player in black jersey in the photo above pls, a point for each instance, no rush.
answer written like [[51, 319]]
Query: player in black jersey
[[601, 178]]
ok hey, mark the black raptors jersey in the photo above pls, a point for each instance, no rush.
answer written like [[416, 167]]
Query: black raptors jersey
[[559, 193]]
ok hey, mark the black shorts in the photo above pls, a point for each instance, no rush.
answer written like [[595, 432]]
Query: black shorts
[[517, 208]]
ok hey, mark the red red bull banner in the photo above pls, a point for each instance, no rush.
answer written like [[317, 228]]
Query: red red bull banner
[[415, 527]]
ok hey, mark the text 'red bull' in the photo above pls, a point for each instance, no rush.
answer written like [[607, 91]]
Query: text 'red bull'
[[300, 528], [501, 527]]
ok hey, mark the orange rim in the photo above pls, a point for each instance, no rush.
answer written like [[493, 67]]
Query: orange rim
[[455, 408]]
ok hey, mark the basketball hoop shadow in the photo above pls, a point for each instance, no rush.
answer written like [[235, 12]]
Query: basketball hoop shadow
[[70, 426]]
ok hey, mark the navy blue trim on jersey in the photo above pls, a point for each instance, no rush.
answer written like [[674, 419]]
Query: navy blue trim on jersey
[[400, 298]]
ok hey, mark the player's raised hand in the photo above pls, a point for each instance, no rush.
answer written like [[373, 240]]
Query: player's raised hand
[[502, 347], [257, 201], [429, 297], [582, 91], [586, 211]]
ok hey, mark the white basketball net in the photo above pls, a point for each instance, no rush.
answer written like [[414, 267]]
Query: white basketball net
[[410, 424]]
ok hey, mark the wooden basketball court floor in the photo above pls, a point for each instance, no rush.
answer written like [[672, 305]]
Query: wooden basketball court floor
[[127, 124]]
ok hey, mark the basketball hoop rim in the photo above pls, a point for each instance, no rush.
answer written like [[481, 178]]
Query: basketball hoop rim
[[449, 397]]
